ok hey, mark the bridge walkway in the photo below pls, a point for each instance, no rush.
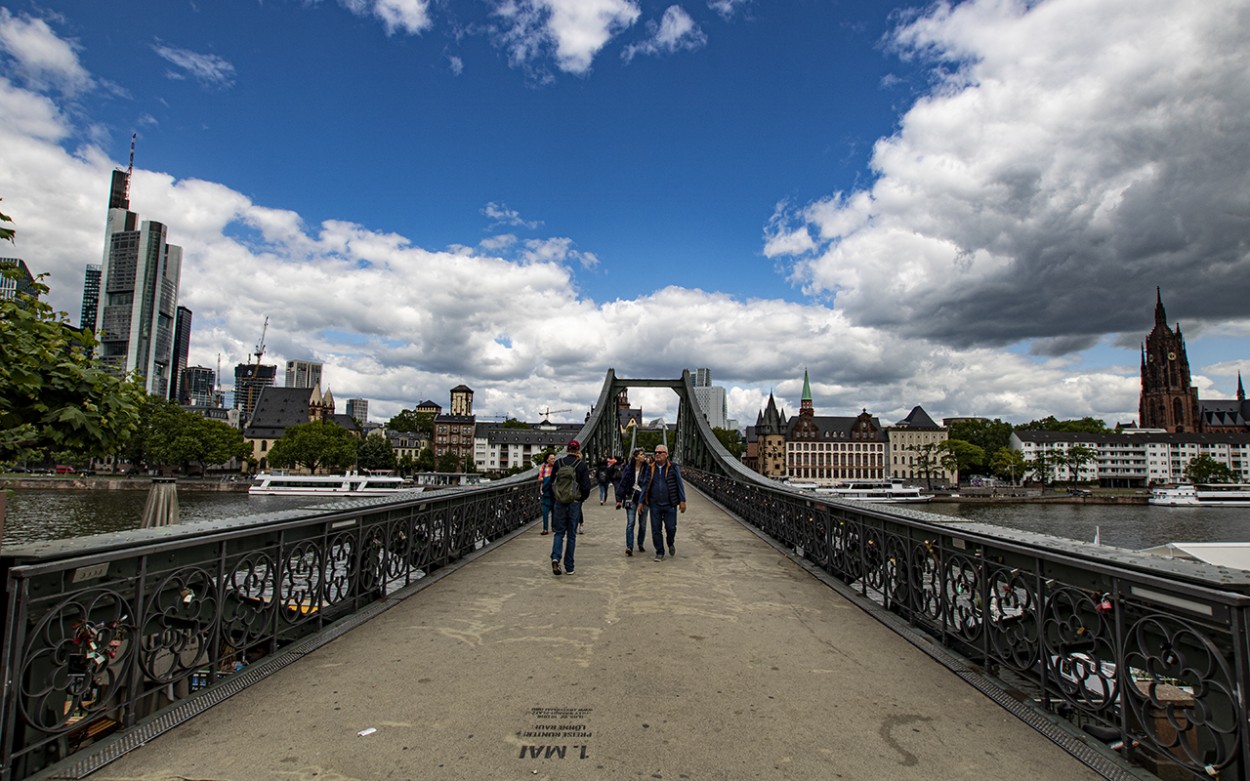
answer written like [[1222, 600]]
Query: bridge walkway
[[726, 662]]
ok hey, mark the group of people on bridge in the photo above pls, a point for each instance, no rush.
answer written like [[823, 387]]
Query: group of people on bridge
[[648, 486]]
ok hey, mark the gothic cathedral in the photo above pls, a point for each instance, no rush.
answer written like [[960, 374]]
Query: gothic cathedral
[[1168, 399]]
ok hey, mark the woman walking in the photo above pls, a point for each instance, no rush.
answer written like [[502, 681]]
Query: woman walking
[[629, 495], [545, 473]]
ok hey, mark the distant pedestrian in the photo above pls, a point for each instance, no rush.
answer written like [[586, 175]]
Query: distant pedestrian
[[629, 495], [664, 495], [569, 487], [545, 473], [604, 477]]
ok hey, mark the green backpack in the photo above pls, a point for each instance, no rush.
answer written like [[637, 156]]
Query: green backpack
[[565, 488]]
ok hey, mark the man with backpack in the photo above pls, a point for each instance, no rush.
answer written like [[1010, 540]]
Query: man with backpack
[[569, 488]]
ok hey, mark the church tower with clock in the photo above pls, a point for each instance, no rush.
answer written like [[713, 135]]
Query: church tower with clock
[[1168, 399]]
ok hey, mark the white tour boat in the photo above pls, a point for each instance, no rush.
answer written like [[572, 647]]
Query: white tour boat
[[351, 484], [1202, 495], [876, 491]]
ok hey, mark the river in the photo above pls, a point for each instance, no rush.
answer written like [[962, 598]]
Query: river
[[35, 515]]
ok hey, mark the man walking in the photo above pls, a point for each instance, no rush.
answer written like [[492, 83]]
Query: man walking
[[664, 495], [569, 488]]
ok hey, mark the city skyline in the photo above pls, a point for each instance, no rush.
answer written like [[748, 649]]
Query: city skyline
[[964, 207]]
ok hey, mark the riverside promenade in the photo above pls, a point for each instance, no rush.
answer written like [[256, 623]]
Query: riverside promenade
[[729, 661]]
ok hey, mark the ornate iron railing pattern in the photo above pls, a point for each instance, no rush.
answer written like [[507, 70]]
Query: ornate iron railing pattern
[[107, 638], [1161, 661]]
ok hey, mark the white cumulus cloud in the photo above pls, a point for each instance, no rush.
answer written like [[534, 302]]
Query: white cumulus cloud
[[1069, 157]]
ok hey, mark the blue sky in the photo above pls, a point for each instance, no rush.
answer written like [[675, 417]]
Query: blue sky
[[964, 206]]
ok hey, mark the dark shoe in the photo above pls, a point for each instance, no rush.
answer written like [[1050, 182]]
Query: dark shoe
[[544, 531], [641, 549], [555, 567], [570, 572], [659, 557], [672, 551], [629, 551]]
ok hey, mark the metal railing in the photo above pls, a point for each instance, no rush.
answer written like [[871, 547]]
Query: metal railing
[[1149, 655], [106, 632]]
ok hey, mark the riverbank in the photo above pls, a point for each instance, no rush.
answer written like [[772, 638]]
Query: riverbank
[[106, 483], [1055, 498]]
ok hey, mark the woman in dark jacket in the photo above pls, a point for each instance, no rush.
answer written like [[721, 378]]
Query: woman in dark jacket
[[629, 495]]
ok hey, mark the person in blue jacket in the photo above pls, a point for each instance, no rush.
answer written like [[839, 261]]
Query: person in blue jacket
[[664, 495]]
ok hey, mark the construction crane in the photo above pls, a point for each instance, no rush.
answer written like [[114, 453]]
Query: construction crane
[[260, 351], [130, 169], [546, 413]]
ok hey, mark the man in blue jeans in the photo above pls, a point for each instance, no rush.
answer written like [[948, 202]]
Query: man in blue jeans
[[664, 495], [568, 491]]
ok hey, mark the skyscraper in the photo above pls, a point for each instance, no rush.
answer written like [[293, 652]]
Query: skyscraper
[[249, 379], [182, 347], [303, 374], [711, 398], [139, 292], [90, 297], [23, 283], [359, 410], [197, 386]]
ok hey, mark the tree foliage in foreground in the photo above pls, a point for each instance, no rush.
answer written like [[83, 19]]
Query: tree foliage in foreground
[[53, 398], [314, 445]]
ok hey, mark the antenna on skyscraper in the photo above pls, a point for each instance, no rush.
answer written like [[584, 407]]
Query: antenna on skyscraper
[[130, 169]]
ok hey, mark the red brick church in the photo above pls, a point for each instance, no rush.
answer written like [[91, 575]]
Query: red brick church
[[1168, 399]]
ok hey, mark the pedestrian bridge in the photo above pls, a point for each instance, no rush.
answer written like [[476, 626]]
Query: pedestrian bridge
[[792, 636]]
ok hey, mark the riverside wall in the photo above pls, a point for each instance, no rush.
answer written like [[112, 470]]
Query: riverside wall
[[116, 484]]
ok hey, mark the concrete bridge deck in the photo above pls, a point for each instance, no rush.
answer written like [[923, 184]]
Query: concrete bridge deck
[[726, 662]]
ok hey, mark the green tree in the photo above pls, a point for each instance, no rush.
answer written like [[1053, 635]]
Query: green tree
[[1044, 465], [928, 458], [407, 464], [375, 453], [961, 457], [1086, 425], [447, 462], [425, 459], [52, 396], [989, 435], [1077, 457], [413, 421], [314, 445], [514, 423], [169, 435], [1205, 469], [732, 441], [1008, 463], [469, 466], [6, 234]]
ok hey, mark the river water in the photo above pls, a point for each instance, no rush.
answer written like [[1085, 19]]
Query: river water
[[54, 514], [35, 515]]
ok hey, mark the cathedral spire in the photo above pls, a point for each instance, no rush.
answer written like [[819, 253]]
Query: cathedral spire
[[1241, 390], [1161, 317], [805, 405]]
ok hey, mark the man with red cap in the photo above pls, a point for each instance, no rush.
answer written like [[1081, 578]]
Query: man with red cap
[[569, 488]]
